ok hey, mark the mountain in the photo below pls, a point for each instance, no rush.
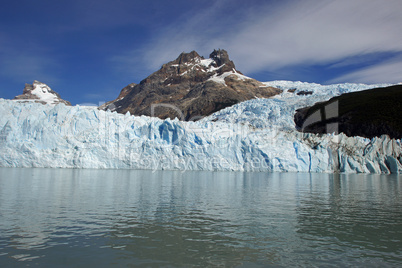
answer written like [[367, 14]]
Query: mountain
[[123, 93], [190, 88], [369, 113], [41, 93]]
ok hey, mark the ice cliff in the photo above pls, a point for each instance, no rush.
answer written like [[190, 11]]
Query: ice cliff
[[256, 135]]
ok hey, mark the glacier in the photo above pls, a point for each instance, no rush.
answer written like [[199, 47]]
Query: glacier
[[256, 135]]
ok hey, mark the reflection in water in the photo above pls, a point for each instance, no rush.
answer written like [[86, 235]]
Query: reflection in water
[[126, 217], [360, 214]]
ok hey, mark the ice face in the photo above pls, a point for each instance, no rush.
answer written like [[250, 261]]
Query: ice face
[[278, 112], [257, 135]]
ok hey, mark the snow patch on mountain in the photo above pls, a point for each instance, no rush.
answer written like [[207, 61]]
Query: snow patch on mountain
[[43, 92], [206, 62], [220, 78]]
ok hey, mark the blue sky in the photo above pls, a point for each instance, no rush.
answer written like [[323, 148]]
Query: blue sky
[[88, 50]]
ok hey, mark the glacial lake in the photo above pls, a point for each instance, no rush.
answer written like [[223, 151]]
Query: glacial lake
[[131, 218]]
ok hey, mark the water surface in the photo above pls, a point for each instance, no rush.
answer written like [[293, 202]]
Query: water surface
[[103, 218]]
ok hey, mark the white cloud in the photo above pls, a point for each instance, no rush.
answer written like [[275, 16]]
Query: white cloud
[[191, 31], [386, 72], [270, 37], [319, 32]]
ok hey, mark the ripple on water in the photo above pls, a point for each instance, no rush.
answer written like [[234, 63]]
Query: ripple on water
[[116, 217]]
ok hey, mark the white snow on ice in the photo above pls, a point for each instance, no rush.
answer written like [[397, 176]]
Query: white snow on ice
[[256, 135]]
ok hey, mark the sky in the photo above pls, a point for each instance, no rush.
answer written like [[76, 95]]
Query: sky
[[88, 50]]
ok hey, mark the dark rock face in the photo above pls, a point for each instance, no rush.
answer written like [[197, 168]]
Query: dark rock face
[[303, 93], [221, 59], [41, 93], [370, 113], [27, 89], [189, 88], [123, 93]]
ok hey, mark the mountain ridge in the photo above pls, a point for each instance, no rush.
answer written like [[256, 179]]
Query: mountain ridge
[[191, 87]]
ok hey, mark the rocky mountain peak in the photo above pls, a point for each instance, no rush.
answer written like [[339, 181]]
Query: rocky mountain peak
[[193, 85], [221, 58], [42, 93], [187, 57], [28, 88], [191, 67]]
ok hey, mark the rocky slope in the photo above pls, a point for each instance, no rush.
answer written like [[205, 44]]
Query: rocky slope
[[41, 93], [370, 113], [190, 88], [123, 93]]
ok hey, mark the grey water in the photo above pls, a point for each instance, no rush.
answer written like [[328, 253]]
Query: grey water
[[132, 218]]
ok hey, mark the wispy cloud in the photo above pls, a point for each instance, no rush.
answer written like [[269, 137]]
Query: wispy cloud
[[25, 63], [385, 72], [312, 32], [27, 67], [21, 64], [195, 30], [271, 37]]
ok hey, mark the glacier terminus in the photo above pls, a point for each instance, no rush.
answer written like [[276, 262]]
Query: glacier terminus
[[255, 135]]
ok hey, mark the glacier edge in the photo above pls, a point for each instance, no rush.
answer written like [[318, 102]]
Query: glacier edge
[[36, 135]]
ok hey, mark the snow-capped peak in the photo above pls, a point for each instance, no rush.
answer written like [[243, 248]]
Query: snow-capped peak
[[44, 93], [40, 92], [218, 62]]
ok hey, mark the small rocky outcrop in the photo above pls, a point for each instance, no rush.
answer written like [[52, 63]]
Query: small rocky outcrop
[[190, 88], [41, 93], [123, 93], [221, 60], [303, 92], [369, 113]]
